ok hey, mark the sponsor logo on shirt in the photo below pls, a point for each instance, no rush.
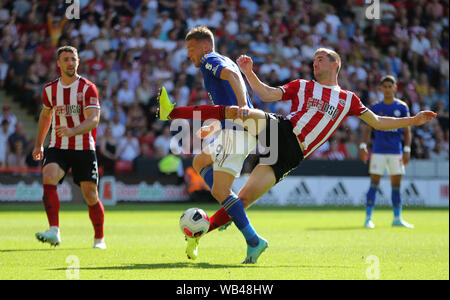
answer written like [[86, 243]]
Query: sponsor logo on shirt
[[324, 107], [93, 101], [67, 110]]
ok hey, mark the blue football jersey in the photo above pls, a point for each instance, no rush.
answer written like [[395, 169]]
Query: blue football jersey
[[389, 141], [220, 91]]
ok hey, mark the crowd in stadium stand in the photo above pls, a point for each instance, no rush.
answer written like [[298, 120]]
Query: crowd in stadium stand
[[129, 48]]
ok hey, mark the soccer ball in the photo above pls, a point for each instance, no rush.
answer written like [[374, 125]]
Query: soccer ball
[[194, 222]]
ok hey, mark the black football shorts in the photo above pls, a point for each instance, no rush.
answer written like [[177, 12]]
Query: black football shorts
[[289, 152], [83, 163]]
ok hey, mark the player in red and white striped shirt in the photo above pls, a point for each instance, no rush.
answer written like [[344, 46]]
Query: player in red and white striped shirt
[[318, 109], [72, 108]]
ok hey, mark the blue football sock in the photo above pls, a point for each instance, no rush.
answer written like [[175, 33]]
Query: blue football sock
[[371, 196], [208, 175], [235, 209], [396, 201]]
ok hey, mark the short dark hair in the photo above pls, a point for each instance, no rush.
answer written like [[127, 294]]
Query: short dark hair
[[66, 49], [201, 33], [388, 78]]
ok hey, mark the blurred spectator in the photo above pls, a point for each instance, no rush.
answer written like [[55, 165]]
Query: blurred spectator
[[17, 156], [125, 95], [128, 147], [146, 142], [146, 17], [109, 73], [144, 92], [142, 43], [351, 145], [259, 45], [3, 70], [47, 51], [118, 128], [18, 135], [18, 69], [89, 29], [4, 125], [337, 150], [8, 116], [32, 89], [21, 7], [131, 75], [55, 27], [108, 151], [162, 143], [394, 61], [4, 14], [136, 119]]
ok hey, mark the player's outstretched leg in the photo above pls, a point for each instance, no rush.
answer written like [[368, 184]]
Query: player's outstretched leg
[[167, 110], [165, 106]]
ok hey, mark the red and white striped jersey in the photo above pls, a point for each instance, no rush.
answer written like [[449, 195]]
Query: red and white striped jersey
[[318, 110], [68, 104]]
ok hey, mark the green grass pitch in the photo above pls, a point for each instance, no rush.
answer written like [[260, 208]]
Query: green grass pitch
[[145, 242]]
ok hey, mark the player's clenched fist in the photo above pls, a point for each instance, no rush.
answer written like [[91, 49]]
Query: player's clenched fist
[[245, 63], [38, 153]]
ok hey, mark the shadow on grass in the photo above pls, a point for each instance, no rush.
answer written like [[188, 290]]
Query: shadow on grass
[[42, 249], [179, 265], [184, 265], [335, 228]]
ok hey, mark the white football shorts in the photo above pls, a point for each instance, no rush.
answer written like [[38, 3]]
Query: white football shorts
[[392, 162], [229, 150]]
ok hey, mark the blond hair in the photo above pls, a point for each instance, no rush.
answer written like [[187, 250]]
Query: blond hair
[[201, 33], [332, 55]]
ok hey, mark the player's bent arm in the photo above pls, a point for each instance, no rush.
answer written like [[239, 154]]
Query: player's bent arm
[[386, 123], [237, 85], [92, 119], [265, 92], [44, 123]]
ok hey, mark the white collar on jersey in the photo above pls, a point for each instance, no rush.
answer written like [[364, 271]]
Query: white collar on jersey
[[70, 85], [333, 87]]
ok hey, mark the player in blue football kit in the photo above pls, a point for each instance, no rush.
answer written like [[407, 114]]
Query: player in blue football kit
[[221, 162], [390, 150]]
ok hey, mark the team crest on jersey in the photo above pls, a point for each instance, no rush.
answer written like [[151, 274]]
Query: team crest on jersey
[[342, 102], [80, 97], [397, 113]]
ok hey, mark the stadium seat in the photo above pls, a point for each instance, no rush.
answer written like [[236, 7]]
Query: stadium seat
[[123, 167]]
